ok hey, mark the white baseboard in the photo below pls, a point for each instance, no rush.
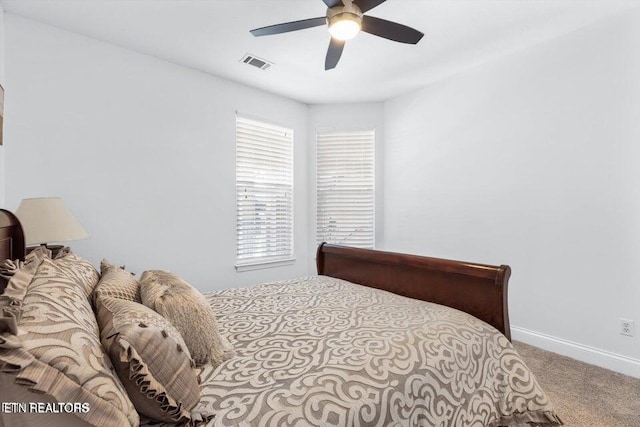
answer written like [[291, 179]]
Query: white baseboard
[[595, 356]]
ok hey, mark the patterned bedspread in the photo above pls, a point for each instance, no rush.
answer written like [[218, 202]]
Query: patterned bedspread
[[325, 352]]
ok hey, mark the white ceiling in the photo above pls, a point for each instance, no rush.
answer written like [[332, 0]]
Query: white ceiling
[[212, 36]]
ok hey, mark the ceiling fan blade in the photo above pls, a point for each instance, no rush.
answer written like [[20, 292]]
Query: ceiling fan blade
[[333, 53], [333, 3], [366, 5], [390, 30], [289, 26]]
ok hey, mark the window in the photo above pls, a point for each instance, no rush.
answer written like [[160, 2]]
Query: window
[[264, 194], [345, 188]]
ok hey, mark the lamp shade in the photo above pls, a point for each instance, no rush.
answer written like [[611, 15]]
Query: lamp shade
[[47, 219]]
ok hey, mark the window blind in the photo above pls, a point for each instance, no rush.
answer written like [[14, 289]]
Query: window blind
[[264, 192], [345, 188]]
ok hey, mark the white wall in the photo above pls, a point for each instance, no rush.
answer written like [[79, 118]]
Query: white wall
[[143, 152], [345, 117], [532, 161], [2, 164]]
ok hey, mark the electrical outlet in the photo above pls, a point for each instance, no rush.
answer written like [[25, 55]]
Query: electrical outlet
[[627, 327]]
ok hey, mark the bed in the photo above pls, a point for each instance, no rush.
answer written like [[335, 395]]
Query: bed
[[376, 339]]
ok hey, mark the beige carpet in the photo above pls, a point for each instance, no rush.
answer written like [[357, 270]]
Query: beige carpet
[[584, 395]]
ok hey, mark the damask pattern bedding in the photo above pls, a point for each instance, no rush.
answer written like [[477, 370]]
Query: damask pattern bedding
[[322, 351]]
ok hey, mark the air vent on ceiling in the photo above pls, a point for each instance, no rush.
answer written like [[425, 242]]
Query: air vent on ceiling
[[263, 64]]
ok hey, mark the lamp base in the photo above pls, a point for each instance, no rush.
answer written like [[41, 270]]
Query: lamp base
[[55, 249]]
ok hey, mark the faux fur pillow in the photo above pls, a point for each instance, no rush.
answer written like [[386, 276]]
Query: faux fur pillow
[[188, 311]]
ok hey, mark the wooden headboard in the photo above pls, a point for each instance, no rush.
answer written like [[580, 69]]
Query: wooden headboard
[[11, 237], [478, 289]]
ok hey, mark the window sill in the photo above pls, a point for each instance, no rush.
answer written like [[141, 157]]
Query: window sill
[[259, 265]]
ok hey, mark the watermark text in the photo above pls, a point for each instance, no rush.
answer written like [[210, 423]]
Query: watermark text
[[44, 408]]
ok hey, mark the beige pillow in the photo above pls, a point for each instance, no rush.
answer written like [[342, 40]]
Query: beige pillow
[[78, 269], [18, 274], [116, 282], [56, 349], [151, 359], [187, 310]]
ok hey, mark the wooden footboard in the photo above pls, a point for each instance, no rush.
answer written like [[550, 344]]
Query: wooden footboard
[[478, 289]]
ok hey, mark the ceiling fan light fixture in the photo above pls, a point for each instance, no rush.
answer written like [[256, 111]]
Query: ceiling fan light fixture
[[345, 26], [344, 21]]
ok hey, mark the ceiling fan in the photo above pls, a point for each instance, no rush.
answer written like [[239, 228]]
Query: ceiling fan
[[345, 19]]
